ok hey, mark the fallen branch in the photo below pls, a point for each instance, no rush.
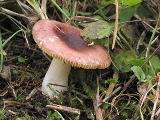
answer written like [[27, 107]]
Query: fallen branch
[[64, 108], [115, 25]]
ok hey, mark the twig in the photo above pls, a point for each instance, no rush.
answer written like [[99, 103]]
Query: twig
[[13, 13], [156, 99], [74, 9], [3, 93], [128, 83], [12, 112], [80, 94], [97, 109], [57, 6], [3, 2], [83, 19], [112, 85], [33, 92], [64, 108], [144, 22], [11, 102], [43, 8], [13, 91], [151, 39], [115, 25], [143, 99], [114, 92], [157, 113]]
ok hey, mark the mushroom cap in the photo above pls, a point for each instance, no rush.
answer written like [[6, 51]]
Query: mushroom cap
[[63, 41]]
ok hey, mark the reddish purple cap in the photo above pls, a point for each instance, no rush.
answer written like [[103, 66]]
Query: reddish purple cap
[[63, 41]]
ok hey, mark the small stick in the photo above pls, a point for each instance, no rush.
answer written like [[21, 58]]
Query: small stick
[[33, 92], [98, 111], [12, 112], [115, 25], [156, 99], [64, 108]]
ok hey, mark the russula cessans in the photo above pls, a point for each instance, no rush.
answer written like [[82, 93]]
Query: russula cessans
[[63, 42]]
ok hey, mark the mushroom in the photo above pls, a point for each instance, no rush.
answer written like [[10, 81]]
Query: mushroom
[[63, 42]]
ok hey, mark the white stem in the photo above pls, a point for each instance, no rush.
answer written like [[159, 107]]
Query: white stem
[[56, 78]]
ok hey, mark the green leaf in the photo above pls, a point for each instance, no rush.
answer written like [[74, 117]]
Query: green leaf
[[111, 80], [136, 61], [155, 62], [66, 12], [76, 99], [139, 73], [126, 8], [129, 3], [126, 14], [88, 90], [143, 13], [106, 106], [148, 70], [124, 60], [2, 114], [22, 59], [54, 116], [97, 30], [148, 78], [122, 3], [106, 2]]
